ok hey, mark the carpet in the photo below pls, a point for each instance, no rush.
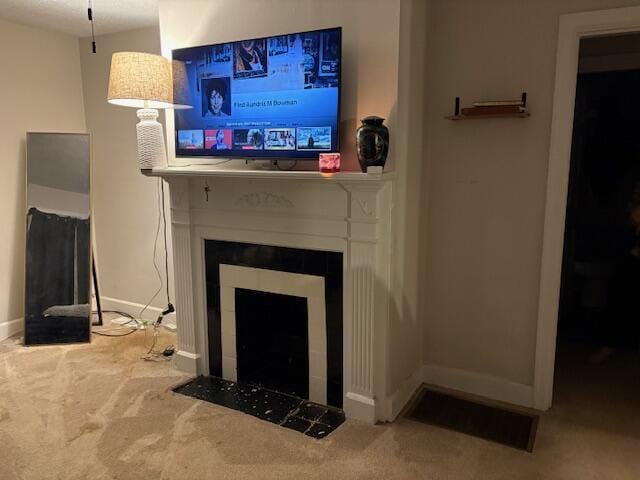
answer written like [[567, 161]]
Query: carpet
[[99, 412]]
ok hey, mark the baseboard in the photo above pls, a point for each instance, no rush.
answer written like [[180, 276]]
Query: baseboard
[[487, 386], [11, 328], [133, 309], [187, 362], [395, 404], [359, 407]]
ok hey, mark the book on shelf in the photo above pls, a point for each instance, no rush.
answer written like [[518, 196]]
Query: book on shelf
[[494, 110], [499, 103]]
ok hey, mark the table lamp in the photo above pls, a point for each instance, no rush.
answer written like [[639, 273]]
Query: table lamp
[[143, 81]]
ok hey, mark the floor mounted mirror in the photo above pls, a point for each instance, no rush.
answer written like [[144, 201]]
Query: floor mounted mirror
[[58, 255]]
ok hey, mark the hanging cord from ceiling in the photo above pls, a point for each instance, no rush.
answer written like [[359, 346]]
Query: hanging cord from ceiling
[[93, 33]]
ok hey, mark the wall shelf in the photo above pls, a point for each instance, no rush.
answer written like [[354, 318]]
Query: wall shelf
[[494, 115], [491, 109]]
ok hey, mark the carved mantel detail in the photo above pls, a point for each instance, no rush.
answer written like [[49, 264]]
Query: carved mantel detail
[[264, 199]]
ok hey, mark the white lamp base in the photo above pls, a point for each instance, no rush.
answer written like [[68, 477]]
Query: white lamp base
[[151, 150]]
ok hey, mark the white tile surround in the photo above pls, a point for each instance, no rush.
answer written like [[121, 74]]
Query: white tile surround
[[348, 213], [310, 287]]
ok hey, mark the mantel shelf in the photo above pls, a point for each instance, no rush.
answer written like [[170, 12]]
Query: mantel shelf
[[208, 171]]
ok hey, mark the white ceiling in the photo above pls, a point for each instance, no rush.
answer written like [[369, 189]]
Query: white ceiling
[[70, 16]]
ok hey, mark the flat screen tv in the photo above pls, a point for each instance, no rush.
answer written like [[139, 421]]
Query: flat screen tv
[[273, 97]]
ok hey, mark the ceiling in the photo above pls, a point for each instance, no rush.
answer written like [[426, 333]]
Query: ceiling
[[70, 16]]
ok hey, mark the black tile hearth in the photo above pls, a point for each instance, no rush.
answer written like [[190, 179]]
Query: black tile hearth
[[298, 424], [310, 411], [291, 412]]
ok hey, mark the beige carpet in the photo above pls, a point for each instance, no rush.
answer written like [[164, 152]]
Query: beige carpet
[[99, 412]]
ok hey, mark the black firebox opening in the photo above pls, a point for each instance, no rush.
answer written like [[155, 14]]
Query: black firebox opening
[[272, 341]]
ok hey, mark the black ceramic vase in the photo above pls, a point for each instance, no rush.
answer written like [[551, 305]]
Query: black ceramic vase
[[372, 142]]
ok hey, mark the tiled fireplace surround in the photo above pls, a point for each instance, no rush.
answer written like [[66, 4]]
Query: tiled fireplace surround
[[313, 275], [346, 213]]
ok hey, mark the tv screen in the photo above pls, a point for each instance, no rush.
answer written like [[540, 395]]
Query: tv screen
[[273, 97]]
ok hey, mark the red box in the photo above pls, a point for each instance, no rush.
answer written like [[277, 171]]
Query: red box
[[329, 162]]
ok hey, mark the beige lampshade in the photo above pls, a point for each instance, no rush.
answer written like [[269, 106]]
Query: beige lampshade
[[140, 80], [181, 93]]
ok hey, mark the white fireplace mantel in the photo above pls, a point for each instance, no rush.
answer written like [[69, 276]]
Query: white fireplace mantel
[[211, 171], [346, 212]]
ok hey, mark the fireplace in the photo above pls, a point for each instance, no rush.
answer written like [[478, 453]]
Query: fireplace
[[272, 347], [282, 305], [323, 239]]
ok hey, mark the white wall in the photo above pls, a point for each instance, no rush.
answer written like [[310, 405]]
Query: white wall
[[60, 202], [124, 200], [487, 181], [406, 314], [40, 90]]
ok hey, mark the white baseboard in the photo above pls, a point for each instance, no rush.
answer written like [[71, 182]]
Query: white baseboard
[[479, 384], [11, 328], [133, 309], [399, 399], [360, 407], [187, 362]]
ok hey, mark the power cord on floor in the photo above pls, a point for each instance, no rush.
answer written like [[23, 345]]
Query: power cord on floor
[[128, 331], [122, 328]]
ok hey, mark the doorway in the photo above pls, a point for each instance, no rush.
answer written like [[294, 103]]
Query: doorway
[[572, 29], [598, 335]]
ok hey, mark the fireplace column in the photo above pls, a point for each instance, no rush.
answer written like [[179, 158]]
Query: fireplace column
[[186, 355], [368, 283]]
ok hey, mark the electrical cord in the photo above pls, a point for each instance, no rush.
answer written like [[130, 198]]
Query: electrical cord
[[131, 318], [155, 250], [166, 253], [122, 314], [157, 355], [117, 329], [152, 354], [93, 32], [102, 334]]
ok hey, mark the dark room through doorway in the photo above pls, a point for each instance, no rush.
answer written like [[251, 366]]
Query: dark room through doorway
[[598, 340]]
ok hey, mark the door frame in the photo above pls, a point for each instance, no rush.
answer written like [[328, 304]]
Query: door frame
[[572, 28]]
